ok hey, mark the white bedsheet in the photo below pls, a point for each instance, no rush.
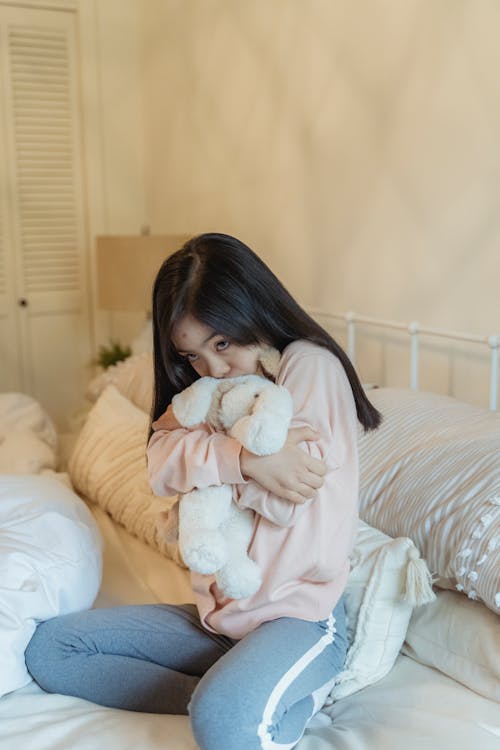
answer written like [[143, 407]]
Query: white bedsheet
[[135, 573], [413, 708]]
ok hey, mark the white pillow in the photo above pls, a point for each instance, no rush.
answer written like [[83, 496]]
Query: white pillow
[[108, 466], [23, 452], [133, 377], [432, 472], [459, 637], [19, 412], [379, 596], [50, 563]]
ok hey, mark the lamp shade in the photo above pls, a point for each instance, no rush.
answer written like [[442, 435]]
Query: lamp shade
[[127, 266]]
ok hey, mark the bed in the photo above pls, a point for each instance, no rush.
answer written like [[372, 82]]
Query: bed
[[423, 669]]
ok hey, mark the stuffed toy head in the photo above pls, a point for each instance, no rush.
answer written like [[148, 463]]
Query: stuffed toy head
[[249, 408]]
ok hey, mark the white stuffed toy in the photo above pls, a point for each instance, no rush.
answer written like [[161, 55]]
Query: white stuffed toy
[[214, 533]]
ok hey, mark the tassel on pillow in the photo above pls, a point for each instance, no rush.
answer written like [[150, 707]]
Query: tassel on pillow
[[418, 581]]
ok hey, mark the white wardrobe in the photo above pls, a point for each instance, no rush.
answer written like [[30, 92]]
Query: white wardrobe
[[45, 332]]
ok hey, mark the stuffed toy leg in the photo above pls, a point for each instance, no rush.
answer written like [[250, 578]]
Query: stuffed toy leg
[[202, 514], [240, 576], [214, 535]]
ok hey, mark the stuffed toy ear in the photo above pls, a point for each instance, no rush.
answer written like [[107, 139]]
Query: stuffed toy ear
[[269, 359], [265, 430], [191, 405]]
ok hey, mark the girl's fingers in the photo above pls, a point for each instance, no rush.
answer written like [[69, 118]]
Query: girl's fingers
[[314, 480], [302, 494], [298, 435], [291, 473], [301, 435], [316, 466]]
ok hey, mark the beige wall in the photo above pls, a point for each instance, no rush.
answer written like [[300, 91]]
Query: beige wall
[[354, 144], [113, 134]]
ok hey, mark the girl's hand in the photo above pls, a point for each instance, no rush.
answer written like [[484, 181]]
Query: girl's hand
[[291, 474]]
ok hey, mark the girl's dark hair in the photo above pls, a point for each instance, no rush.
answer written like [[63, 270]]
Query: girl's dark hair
[[222, 283]]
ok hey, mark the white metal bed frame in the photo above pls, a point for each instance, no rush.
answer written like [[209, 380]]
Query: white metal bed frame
[[415, 331]]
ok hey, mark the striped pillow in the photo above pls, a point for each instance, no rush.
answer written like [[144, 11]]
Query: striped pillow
[[432, 473]]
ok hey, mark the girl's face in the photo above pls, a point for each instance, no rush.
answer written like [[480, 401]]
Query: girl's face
[[209, 353]]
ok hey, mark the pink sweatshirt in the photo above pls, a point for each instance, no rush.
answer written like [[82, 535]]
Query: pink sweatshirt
[[302, 550]]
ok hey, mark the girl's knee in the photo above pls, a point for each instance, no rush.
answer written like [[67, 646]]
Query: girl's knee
[[43, 652], [37, 647], [220, 721], [206, 717]]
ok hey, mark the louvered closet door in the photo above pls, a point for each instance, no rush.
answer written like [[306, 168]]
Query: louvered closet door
[[46, 204]]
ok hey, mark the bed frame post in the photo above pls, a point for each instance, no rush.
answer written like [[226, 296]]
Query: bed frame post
[[351, 336], [413, 331], [494, 344]]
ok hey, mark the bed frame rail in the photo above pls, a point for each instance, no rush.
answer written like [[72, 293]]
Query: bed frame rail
[[416, 331]]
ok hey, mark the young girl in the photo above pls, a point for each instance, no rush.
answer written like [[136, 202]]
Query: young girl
[[251, 672]]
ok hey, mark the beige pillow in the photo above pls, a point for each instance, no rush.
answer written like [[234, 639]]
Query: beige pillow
[[432, 473], [383, 585], [459, 637], [108, 466], [133, 378]]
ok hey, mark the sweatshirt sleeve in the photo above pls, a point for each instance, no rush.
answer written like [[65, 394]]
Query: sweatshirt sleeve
[[180, 460], [322, 399]]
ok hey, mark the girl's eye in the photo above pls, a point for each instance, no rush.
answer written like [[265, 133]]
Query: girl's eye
[[221, 345], [191, 357]]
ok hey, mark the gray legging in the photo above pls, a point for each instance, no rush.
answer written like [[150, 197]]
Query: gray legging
[[158, 658]]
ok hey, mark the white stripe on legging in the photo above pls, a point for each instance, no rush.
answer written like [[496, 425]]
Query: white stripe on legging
[[284, 683]]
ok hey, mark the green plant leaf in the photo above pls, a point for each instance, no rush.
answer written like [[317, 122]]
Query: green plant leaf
[[107, 356]]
